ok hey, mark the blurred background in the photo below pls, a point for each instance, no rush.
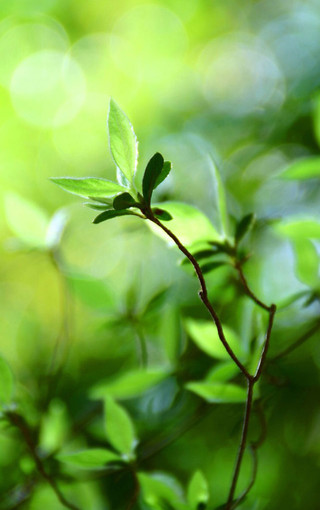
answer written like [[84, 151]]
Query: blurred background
[[238, 82]]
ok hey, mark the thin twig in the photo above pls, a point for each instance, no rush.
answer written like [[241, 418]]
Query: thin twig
[[263, 357], [203, 294], [17, 420], [247, 289]]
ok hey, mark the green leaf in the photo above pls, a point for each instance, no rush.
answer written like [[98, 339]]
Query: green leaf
[[123, 141], [97, 207], [159, 489], [205, 335], [27, 220], [119, 427], [220, 198], [93, 458], [6, 383], [305, 168], [243, 226], [188, 224], [198, 490], [124, 201], [218, 393], [304, 228], [151, 174], [128, 385], [108, 215], [88, 187], [91, 291], [163, 174], [223, 372], [307, 262], [211, 266], [161, 214]]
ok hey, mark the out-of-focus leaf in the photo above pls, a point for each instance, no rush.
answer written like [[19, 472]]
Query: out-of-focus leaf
[[305, 168], [97, 207], [199, 255], [188, 224], [54, 427], [151, 174], [161, 214], [88, 187], [220, 198], [211, 266], [222, 372], [163, 174], [91, 291], [217, 392], [159, 489], [307, 261], [244, 225], [119, 427], [198, 490], [27, 220], [93, 458], [6, 382], [156, 302], [123, 141], [108, 215], [205, 335], [130, 384], [299, 228], [55, 228], [123, 201]]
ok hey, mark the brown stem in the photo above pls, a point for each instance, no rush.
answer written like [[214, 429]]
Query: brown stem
[[263, 357], [247, 289], [242, 445], [203, 294], [17, 420]]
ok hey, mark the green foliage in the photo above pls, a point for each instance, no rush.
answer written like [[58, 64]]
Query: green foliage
[[6, 383], [93, 458], [119, 427], [88, 187], [218, 393], [306, 168], [198, 491]]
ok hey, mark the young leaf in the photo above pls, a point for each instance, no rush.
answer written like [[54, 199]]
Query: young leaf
[[27, 220], [108, 215], [6, 382], [305, 168], [88, 187], [91, 291], [307, 262], [161, 491], [222, 372], [296, 228], [211, 266], [205, 336], [93, 458], [161, 214], [151, 174], [119, 427], [244, 225], [123, 141], [220, 198], [124, 201], [163, 174], [128, 385], [218, 393], [198, 491]]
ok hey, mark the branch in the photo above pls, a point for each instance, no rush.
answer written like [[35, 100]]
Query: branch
[[203, 294], [17, 420], [263, 357], [247, 289]]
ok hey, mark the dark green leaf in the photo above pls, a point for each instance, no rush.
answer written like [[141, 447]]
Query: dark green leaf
[[163, 174], [96, 207], [211, 266], [151, 174], [222, 247], [244, 225], [108, 215], [124, 201], [161, 214], [88, 186]]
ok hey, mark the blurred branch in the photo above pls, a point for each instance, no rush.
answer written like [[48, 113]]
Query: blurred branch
[[247, 289], [18, 421]]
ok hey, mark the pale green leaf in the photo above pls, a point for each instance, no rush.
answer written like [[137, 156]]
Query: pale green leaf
[[304, 228], [158, 489], [119, 427], [305, 168], [198, 490], [129, 384], [27, 220], [123, 141], [188, 223], [205, 336], [307, 261], [223, 372], [91, 291], [88, 187], [93, 458], [218, 393], [220, 198], [6, 382]]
